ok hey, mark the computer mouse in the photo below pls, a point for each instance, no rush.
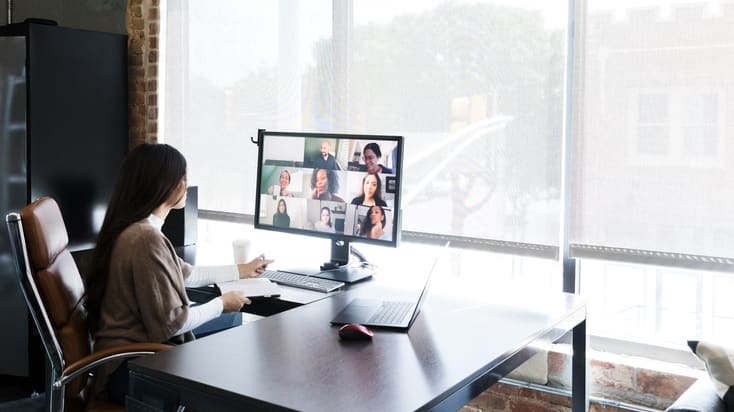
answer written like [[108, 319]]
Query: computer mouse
[[355, 331]]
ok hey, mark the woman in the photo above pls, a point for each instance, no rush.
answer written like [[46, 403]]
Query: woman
[[324, 225], [324, 185], [136, 281], [284, 180], [372, 155], [371, 193], [373, 225], [281, 218]]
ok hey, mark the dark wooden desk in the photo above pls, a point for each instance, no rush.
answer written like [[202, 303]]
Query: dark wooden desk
[[294, 360]]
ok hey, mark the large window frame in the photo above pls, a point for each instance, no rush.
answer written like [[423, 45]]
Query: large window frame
[[569, 256]]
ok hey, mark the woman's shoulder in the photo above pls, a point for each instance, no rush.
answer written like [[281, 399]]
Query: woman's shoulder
[[140, 228], [358, 200], [141, 234], [380, 202], [139, 244]]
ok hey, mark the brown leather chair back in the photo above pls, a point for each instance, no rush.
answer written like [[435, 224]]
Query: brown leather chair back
[[60, 286]]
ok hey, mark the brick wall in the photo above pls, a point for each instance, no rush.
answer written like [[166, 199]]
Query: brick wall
[[621, 380], [143, 26]]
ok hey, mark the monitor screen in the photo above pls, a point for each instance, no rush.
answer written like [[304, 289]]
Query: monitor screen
[[345, 187]]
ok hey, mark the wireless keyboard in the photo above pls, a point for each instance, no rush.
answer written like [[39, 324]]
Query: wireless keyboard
[[303, 282]]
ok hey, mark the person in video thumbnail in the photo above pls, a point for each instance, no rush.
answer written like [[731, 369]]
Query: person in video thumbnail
[[372, 155], [373, 225], [283, 181], [324, 185], [371, 192], [325, 160], [281, 218], [324, 225]]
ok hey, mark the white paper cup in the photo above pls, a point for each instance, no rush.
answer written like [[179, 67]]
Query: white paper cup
[[241, 251]]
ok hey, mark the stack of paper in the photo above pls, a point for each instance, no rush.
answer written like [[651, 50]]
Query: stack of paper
[[253, 287]]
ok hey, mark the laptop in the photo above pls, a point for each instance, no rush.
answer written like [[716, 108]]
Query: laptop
[[384, 313]]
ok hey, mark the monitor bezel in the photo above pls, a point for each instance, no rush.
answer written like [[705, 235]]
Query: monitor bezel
[[398, 170]]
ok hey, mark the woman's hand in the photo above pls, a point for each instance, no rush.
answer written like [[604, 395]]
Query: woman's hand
[[234, 300], [254, 267]]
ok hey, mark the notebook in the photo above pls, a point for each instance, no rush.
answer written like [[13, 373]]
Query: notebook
[[253, 287], [384, 313]]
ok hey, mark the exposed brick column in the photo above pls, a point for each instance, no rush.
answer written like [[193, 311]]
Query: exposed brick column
[[143, 26]]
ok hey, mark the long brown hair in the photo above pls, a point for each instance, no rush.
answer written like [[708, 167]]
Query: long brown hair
[[148, 177], [367, 222], [378, 191]]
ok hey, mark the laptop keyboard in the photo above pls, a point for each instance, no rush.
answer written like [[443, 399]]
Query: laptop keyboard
[[303, 282], [391, 312]]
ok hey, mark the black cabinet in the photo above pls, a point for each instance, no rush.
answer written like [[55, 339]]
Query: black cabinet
[[63, 133]]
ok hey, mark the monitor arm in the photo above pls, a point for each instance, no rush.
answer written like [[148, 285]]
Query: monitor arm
[[359, 255]]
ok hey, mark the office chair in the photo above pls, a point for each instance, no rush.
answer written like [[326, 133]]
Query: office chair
[[55, 294]]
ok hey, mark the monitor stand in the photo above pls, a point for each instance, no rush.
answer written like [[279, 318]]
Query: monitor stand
[[347, 274], [338, 268]]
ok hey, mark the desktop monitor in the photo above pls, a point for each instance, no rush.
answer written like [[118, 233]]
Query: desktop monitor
[[343, 187]]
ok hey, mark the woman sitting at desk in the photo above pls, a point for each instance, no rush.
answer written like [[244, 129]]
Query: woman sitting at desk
[[136, 281]]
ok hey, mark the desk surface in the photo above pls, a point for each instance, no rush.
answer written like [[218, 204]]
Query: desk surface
[[294, 360]]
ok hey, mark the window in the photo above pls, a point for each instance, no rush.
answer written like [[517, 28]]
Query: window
[[667, 196], [652, 119], [678, 127], [235, 67], [656, 304], [476, 89], [650, 164], [700, 124]]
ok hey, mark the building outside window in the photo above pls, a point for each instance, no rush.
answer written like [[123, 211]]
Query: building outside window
[[650, 223]]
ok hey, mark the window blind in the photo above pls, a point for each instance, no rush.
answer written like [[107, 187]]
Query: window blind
[[652, 153]]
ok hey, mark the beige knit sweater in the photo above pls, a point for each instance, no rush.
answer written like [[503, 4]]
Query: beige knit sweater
[[145, 299]]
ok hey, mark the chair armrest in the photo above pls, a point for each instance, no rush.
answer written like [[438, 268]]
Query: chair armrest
[[95, 359], [701, 396]]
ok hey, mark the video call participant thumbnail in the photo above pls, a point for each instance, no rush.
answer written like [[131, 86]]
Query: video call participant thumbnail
[[281, 189], [325, 224], [325, 185], [372, 155], [370, 191], [325, 160], [281, 218], [373, 225]]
